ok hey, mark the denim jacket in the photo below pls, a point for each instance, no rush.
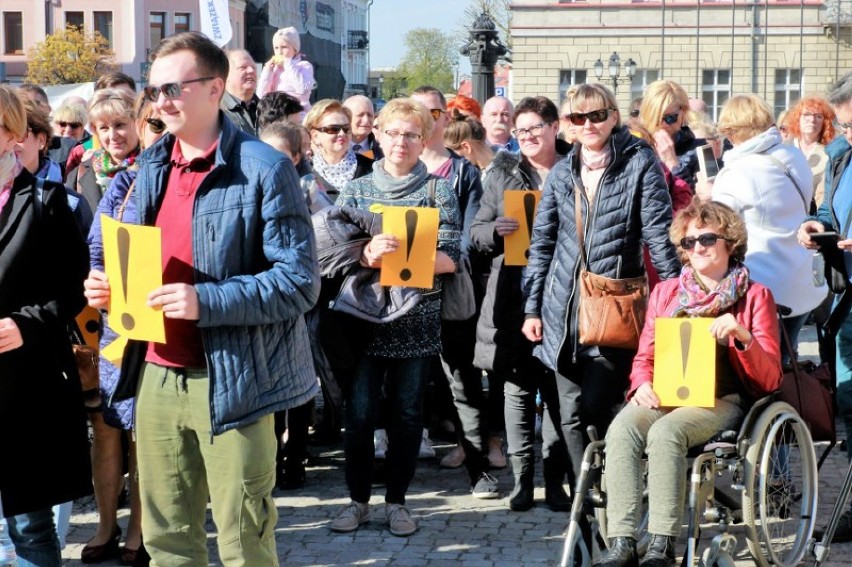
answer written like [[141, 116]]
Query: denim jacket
[[256, 274]]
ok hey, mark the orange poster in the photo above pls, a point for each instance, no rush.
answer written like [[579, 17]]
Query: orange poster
[[521, 206], [413, 263]]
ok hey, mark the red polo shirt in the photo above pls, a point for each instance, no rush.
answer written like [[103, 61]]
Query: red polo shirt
[[183, 346]]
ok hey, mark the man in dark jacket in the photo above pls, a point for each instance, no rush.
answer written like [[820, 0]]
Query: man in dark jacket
[[240, 100]]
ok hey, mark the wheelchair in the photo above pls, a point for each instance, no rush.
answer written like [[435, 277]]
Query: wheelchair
[[770, 469]]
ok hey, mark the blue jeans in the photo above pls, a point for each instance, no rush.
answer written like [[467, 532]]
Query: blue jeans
[[404, 380], [34, 536]]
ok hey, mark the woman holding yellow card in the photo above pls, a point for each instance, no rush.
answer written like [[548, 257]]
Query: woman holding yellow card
[[398, 355], [714, 283]]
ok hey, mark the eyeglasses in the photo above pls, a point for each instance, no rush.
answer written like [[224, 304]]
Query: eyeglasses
[[436, 112], [72, 125], [706, 239], [408, 136], [595, 116], [671, 118], [335, 129], [156, 125], [842, 125], [634, 113], [815, 117], [171, 90], [534, 130]]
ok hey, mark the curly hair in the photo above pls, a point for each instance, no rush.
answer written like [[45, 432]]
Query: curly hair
[[816, 105], [718, 216]]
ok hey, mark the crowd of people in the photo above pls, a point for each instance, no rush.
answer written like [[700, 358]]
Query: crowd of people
[[270, 209]]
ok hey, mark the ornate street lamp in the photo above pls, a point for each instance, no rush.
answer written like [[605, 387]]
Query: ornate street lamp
[[614, 70], [484, 48]]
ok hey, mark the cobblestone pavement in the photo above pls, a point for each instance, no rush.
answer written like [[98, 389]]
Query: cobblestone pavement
[[455, 528]]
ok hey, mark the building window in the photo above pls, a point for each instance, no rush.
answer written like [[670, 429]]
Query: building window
[[181, 22], [641, 80], [13, 32], [156, 28], [788, 89], [715, 90], [569, 78], [74, 19], [103, 25]]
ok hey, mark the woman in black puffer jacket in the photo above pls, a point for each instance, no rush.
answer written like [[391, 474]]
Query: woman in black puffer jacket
[[625, 203]]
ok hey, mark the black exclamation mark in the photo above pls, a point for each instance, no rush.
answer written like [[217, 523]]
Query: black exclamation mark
[[124, 260], [685, 339], [529, 210], [410, 229]]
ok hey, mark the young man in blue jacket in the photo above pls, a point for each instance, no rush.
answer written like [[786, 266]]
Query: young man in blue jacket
[[239, 272]]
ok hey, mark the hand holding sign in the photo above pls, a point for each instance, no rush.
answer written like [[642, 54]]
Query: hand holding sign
[[412, 263], [685, 362], [520, 205]]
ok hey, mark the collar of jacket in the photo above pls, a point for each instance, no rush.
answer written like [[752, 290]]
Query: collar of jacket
[[621, 142], [161, 151], [837, 148], [685, 141]]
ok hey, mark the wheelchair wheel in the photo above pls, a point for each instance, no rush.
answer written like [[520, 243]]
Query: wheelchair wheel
[[780, 496]]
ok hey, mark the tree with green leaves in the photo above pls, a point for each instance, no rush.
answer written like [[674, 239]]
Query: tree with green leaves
[[430, 59], [70, 55]]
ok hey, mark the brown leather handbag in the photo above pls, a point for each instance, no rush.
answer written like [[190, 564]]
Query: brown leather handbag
[[611, 311]]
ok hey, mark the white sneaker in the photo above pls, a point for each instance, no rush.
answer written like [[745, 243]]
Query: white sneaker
[[426, 450], [380, 440]]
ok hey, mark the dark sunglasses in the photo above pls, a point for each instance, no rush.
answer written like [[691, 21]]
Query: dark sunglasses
[[671, 118], [72, 125], [595, 116], [706, 239], [436, 112], [156, 125], [171, 90], [335, 129], [634, 113]]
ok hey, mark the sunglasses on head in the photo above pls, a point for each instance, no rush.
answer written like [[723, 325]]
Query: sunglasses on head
[[706, 239], [335, 129], [156, 125], [171, 90], [72, 125], [671, 118], [595, 116]]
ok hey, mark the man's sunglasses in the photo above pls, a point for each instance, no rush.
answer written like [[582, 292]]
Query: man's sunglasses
[[335, 129], [671, 118], [842, 125], [156, 125], [634, 113], [595, 116], [436, 112], [171, 90], [72, 125], [706, 239]]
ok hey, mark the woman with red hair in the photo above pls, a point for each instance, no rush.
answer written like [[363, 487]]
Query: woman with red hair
[[465, 105], [810, 124]]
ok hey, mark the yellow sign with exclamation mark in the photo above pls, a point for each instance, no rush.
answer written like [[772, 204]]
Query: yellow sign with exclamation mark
[[685, 362], [521, 206], [134, 267], [413, 263]]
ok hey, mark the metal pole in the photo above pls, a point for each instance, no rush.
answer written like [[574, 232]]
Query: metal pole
[[765, 50], [698, 48], [663, 42], [801, 46], [733, 42]]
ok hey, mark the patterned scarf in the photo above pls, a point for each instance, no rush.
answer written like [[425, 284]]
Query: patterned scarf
[[10, 167], [696, 301], [338, 174], [105, 169]]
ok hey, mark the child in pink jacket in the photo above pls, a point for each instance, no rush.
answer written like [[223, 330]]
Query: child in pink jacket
[[287, 71]]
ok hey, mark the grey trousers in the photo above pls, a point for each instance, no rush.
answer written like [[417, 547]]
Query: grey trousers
[[665, 435]]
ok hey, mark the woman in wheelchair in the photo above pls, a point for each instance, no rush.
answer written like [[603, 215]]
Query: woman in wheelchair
[[713, 283]]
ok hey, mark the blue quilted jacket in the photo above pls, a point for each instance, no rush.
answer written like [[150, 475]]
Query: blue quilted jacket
[[256, 274], [631, 206]]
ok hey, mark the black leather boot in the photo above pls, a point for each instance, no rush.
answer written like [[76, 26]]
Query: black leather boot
[[661, 552], [621, 553], [554, 491], [521, 498]]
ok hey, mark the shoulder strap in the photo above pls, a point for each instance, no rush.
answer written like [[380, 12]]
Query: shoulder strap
[[120, 214], [578, 216], [431, 187], [785, 169]]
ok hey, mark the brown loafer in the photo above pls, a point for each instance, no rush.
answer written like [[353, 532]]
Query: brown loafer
[[103, 552]]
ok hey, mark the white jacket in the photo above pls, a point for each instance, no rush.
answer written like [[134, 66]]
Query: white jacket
[[757, 188]]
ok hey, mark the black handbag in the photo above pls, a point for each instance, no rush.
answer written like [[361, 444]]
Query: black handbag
[[458, 302]]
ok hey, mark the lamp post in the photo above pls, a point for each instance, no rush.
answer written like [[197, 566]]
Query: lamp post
[[614, 70], [483, 49]]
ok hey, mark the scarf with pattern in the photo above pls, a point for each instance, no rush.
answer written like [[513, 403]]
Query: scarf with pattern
[[694, 300], [105, 169], [338, 174]]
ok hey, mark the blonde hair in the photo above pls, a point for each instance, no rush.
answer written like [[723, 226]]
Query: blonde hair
[[657, 98], [408, 109], [702, 126], [745, 116], [109, 104], [323, 107], [595, 93], [13, 114], [71, 112]]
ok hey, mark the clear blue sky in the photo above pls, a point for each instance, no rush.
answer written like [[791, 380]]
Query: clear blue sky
[[391, 19]]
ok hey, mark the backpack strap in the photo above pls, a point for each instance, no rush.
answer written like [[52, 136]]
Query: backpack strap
[[431, 188]]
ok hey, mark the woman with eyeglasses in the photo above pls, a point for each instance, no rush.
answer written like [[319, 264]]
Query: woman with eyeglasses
[[714, 282], [810, 124], [770, 184], [43, 259], [663, 113], [396, 356], [334, 163], [115, 417], [624, 203]]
